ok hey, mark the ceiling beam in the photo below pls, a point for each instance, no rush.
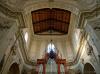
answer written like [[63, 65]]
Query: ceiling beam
[[50, 20]]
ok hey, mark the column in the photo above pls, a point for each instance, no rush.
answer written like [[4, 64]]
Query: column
[[37, 69], [58, 68], [44, 68]]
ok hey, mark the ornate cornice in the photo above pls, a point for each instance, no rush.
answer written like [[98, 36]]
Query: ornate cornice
[[88, 15], [14, 15]]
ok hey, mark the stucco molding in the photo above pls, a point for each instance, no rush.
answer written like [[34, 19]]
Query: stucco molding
[[16, 16], [88, 15]]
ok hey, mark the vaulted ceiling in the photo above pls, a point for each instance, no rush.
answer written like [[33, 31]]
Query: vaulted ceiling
[[21, 4], [50, 20]]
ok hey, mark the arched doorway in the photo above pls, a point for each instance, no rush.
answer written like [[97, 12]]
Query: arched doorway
[[88, 69], [14, 69]]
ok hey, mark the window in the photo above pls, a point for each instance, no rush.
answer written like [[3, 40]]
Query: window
[[26, 37], [50, 47]]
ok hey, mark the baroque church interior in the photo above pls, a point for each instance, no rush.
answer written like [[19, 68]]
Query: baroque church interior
[[49, 36]]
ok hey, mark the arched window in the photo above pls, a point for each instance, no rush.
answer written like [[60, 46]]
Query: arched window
[[50, 47], [26, 37]]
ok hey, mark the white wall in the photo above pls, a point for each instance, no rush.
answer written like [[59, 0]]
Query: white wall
[[39, 44]]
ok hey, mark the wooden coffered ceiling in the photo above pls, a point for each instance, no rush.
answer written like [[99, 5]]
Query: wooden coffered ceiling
[[50, 21]]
